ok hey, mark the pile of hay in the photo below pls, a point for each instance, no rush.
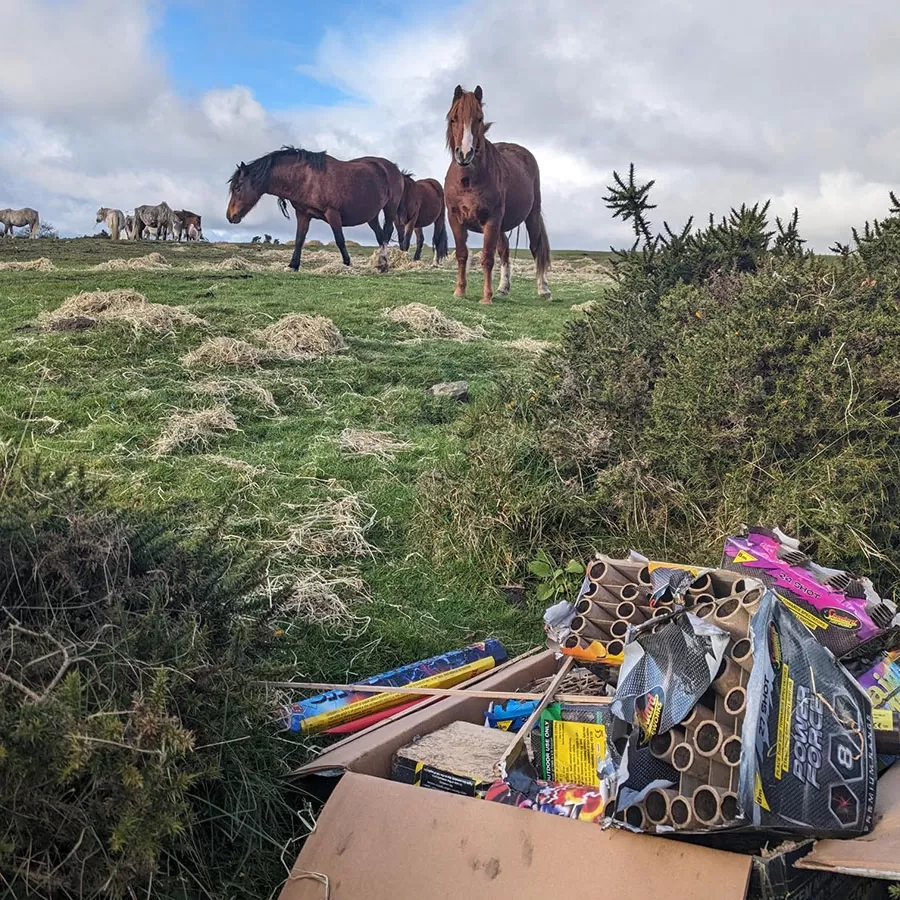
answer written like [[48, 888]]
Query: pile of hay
[[327, 598], [334, 527], [241, 388], [371, 443], [34, 265], [196, 429], [222, 352], [150, 261], [584, 307], [233, 264], [126, 306], [431, 322], [397, 259], [299, 337]]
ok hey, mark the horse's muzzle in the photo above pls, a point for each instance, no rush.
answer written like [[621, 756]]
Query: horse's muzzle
[[233, 218], [464, 159]]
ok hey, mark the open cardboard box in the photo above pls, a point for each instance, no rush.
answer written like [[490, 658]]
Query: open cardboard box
[[381, 840]]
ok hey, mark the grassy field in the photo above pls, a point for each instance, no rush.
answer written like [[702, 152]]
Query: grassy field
[[335, 522]]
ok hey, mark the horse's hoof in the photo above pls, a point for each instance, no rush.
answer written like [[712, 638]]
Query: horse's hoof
[[546, 296], [486, 300], [502, 293], [460, 295]]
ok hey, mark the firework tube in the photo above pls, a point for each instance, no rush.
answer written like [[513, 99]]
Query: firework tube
[[615, 648], [361, 708], [658, 804], [730, 806], [723, 583], [731, 751], [751, 599], [728, 676], [733, 618], [405, 675], [681, 811], [619, 630], [629, 612], [701, 584], [585, 628], [736, 701], [596, 609], [687, 762], [697, 716], [707, 805], [593, 651], [635, 815], [705, 611], [644, 577], [628, 592], [366, 721], [742, 653], [707, 738], [662, 745], [604, 573]]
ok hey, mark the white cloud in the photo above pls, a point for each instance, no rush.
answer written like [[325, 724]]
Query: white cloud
[[719, 103]]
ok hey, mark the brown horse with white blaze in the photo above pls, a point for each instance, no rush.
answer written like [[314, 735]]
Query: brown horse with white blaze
[[491, 188], [422, 205], [318, 186]]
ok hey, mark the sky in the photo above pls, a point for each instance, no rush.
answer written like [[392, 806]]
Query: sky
[[124, 102]]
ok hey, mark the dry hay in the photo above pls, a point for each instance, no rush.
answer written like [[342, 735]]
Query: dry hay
[[233, 264], [150, 261], [196, 429], [222, 352], [584, 307], [529, 345], [33, 265], [300, 337], [246, 471], [50, 424], [326, 262], [238, 387], [126, 306], [335, 527], [431, 322], [371, 443], [397, 259], [327, 598]]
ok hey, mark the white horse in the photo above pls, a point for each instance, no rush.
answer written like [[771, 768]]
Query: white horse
[[20, 218], [115, 221]]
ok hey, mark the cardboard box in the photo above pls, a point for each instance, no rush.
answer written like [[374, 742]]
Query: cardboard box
[[380, 840]]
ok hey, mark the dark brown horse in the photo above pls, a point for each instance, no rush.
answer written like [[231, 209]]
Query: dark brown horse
[[318, 186], [191, 225], [422, 205], [491, 188]]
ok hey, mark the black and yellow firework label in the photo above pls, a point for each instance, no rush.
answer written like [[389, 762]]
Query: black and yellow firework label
[[785, 716]]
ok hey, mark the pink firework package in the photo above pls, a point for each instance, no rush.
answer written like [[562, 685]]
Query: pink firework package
[[841, 609]]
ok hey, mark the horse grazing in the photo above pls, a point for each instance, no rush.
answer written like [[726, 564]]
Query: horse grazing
[[20, 218], [159, 218], [188, 224], [318, 186], [422, 205], [115, 221], [491, 188]]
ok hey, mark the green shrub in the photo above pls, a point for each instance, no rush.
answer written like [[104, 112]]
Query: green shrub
[[136, 755]]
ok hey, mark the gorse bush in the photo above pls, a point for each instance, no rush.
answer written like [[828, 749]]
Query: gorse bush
[[732, 377], [136, 755]]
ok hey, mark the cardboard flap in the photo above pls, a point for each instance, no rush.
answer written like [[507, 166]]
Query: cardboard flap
[[380, 840], [874, 855]]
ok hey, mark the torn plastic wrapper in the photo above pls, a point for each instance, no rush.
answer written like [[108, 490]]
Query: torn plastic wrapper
[[573, 801], [666, 672]]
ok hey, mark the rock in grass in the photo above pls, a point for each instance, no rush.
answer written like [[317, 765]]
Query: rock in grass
[[454, 390]]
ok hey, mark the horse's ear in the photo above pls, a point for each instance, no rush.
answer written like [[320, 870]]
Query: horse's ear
[[242, 168], [479, 94], [458, 92]]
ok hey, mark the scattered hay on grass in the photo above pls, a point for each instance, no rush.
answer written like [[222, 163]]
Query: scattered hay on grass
[[299, 337], [233, 264], [584, 307], [126, 306], [246, 471], [49, 424], [431, 322], [195, 429], [335, 527], [222, 352], [371, 443], [327, 598], [33, 265], [150, 261], [529, 345], [240, 387]]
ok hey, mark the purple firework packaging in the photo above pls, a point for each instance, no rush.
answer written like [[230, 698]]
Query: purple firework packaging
[[840, 609]]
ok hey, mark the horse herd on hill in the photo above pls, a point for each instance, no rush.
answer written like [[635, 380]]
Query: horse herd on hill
[[490, 188]]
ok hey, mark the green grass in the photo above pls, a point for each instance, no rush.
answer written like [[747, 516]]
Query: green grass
[[111, 391]]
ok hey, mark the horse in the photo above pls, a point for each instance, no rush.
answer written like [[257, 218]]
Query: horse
[[20, 218], [190, 224], [129, 225], [115, 221], [491, 188], [159, 217], [318, 186], [422, 205]]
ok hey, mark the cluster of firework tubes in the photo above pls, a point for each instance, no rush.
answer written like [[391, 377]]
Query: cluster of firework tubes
[[705, 749]]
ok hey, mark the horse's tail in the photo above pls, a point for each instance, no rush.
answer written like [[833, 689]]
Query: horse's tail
[[440, 234], [542, 248], [36, 224]]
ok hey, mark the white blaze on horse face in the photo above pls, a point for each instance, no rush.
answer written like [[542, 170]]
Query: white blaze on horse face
[[468, 141]]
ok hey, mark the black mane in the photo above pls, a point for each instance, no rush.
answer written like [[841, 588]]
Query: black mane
[[260, 169]]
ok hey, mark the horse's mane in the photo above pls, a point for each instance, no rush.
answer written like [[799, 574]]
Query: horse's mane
[[260, 170]]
